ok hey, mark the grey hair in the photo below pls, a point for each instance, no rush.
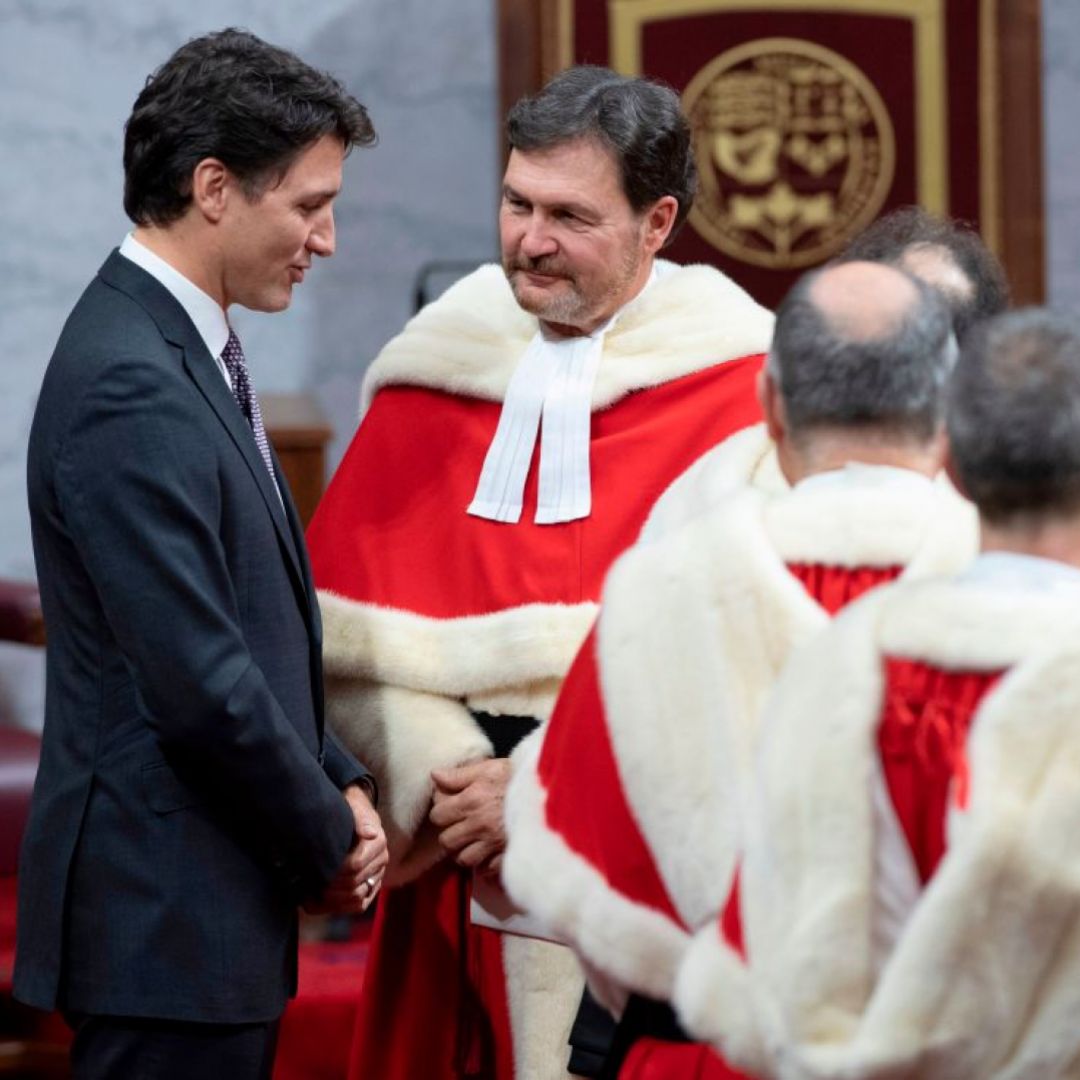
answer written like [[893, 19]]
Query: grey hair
[[1014, 415], [894, 381], [639, 120]]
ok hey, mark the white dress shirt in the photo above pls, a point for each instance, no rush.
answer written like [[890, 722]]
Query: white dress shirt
[[203, 310]]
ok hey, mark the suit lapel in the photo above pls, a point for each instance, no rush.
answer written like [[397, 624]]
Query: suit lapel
[[177, 328], [202, 369]]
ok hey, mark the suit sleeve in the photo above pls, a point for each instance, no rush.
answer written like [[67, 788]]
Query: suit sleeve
[[344, 769], [140, 498]]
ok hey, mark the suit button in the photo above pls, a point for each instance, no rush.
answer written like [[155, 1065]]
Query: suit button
[[321, 759]]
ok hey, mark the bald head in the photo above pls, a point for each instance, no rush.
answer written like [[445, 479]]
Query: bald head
[[934, 264], [863, 302], [948, 255], [862, 346]]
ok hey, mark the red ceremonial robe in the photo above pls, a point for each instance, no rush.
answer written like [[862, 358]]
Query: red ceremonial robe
[[853, 968], [428, 611], [624, 825]]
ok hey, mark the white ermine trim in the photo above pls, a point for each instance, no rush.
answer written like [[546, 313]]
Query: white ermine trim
[[469, 655], [716, 1000], [816, 751], [985, 980], [970, 626], [468, 341], [543, 990], [691, 633], [401, 735], [638, 947], [533, 699], [929, 527], [745, 459], [693, 630]]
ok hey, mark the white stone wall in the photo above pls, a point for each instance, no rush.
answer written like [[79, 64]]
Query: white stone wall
[[1061, 134], [69, 73]]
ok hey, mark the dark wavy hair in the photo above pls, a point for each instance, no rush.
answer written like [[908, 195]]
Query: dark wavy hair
[[640, 121], [230, 96]]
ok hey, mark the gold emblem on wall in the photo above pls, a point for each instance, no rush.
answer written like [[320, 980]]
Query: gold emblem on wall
[[795, 152]]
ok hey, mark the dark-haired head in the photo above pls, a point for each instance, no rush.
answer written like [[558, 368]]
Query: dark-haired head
[[638, 120], [1014, 417], [947, 254], [229, 96]]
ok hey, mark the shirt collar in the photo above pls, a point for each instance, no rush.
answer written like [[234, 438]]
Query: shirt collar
[[859, 474], [1011, 568], [203, 310]]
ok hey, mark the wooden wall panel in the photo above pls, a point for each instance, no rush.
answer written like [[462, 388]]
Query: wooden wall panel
[[960, 81]]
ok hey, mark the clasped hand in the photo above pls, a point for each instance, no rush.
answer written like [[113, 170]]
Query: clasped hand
[[357, 883], [468, 812]]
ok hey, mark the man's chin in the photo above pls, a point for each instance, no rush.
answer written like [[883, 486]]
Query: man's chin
[[538, 300], [268, 303]]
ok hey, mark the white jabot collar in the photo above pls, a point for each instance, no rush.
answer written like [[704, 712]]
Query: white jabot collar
[[859, 474], [550, 392], [203, 310]]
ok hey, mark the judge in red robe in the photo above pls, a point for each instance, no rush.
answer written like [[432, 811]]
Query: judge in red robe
[[625, 825], [460, 559], [909, 897]]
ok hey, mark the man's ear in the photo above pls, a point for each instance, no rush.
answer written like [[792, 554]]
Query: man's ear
[[659, 221], [772, 406], [212, 185]]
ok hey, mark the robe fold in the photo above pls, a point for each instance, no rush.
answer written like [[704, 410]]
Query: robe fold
[[625, 815], [958, 701], [432, 615]]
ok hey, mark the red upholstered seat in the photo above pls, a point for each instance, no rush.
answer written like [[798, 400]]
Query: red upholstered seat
[[18, 763], [19, 751], [31, 1044], [20, 613]]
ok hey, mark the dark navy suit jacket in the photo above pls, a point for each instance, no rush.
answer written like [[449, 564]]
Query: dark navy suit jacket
[[187, 798]]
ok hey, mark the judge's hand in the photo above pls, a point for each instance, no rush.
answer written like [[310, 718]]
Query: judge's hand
[[357, 883], [468, 812]]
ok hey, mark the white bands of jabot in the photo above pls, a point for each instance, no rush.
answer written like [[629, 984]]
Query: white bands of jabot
[[552, 383]]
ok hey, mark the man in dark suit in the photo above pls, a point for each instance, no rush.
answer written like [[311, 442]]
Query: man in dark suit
[[188, 797]]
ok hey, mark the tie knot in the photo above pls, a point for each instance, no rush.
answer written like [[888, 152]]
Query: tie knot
[[233, 353]]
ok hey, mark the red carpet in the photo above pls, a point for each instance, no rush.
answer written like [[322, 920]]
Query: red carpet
[[316, 1030], [317, 1027]]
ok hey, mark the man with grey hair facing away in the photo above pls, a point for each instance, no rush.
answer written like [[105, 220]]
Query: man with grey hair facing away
[[944, 866], [945, 253], [514, 437], [625, 821]]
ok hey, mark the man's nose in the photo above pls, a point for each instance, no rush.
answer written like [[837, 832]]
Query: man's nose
[[537, 239], [322, 240]]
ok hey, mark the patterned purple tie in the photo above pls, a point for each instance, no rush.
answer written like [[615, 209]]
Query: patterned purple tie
[[235, 364]]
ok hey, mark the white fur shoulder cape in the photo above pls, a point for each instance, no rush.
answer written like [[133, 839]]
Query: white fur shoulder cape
[[469, 341], [398, 682], [747, 458], [693, 630], [984, 980]]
